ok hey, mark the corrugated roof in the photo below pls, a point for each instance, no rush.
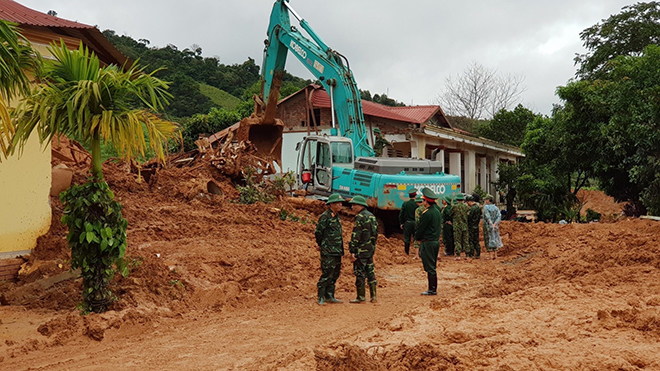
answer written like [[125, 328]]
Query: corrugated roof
[[17, 13], [418, 114], [321, 99]]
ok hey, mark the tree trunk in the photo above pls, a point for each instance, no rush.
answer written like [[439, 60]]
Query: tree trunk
[[97, 161]]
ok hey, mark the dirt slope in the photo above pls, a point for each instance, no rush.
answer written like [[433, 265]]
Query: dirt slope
[[222, 286]]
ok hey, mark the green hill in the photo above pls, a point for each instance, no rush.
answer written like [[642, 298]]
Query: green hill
[[219, 96]]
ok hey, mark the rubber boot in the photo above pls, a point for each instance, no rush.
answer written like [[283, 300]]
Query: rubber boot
[[433, 284], [360, 295], [321, 296], [372, 291], [330, 295], [406, 247]]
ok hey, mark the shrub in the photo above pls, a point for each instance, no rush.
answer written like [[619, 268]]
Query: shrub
[[592, 215], [97, 238]]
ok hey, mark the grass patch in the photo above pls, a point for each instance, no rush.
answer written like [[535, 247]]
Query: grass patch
[[219, 96]]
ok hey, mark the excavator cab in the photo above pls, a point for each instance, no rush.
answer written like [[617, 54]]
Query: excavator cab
[[317, 155]]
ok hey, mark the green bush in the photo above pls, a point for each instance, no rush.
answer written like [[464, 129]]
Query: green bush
[[97, 238], [592, 215]]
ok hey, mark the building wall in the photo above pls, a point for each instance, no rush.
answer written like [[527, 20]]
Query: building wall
[[293, 113], [24, 198], [25, 180]]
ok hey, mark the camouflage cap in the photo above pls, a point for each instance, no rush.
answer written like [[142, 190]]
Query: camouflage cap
[[335, 197], [469, 198], [428, 193], [359, 200]]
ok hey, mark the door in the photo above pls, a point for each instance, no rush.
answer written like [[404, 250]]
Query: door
[[306, 163], [322, 172]]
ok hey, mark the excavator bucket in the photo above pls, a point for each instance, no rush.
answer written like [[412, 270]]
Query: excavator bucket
[[266, 139], [250, 142]]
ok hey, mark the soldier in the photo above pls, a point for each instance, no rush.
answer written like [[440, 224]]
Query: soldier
[[474, 217], [428, 234], [407, 219], [330, 243], [447, 229], [362, 247], [380, 142], [459, 215], [418, 214]]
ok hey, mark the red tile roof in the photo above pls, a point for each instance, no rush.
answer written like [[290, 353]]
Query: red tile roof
[[89, 35], [418, 114], [17, 13], [321, 99]]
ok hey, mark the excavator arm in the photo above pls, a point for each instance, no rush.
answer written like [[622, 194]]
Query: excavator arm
[[328, 66]]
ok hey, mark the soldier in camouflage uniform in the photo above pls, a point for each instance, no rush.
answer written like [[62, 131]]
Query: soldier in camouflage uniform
[[418, 215], [459, 215], [474, 217], [330, 243], [447, 229], [380, 143], [407, 219], [428, 234], [362, 247]]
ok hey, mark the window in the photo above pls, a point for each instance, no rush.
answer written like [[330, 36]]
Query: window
[[322, 163], [323, 159], [309, 155], [342, 152]]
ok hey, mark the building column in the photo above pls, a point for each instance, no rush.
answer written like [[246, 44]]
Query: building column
[[470, 171], [455, 163], [482, 165], [440, 156], [418, 147], [494, 177]]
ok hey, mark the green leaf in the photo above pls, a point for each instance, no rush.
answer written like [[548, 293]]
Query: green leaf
[[104, 245], [90, 236]]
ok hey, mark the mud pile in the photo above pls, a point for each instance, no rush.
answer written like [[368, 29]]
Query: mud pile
[[601, 203], [190, 248], [584, 253]]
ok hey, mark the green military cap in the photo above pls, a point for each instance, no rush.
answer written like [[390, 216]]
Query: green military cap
[[412, 190], [335, 197], [428, 193], [490, 198], [460, 197], [376, 130], [469, 198], [418, 198], [359, 200]]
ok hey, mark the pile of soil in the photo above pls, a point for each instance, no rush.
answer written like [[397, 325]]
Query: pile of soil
[[601, 203], [188, 248]]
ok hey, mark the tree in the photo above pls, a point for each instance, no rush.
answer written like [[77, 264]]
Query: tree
[[93, 104], [479, 92], [625, 102], [507, 126], [626, 33], [16, 57]]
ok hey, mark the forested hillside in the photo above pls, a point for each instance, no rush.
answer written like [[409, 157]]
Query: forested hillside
[[186, 69]]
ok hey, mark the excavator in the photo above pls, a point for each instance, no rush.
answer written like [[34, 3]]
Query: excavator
[[342, 162]]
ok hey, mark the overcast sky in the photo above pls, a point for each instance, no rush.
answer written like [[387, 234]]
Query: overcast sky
[[404, 48]]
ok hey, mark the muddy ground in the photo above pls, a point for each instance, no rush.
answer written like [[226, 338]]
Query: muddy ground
[[220, 286]]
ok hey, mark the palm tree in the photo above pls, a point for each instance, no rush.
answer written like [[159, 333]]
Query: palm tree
[[16, 57], [83, 100], [94, 104]]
